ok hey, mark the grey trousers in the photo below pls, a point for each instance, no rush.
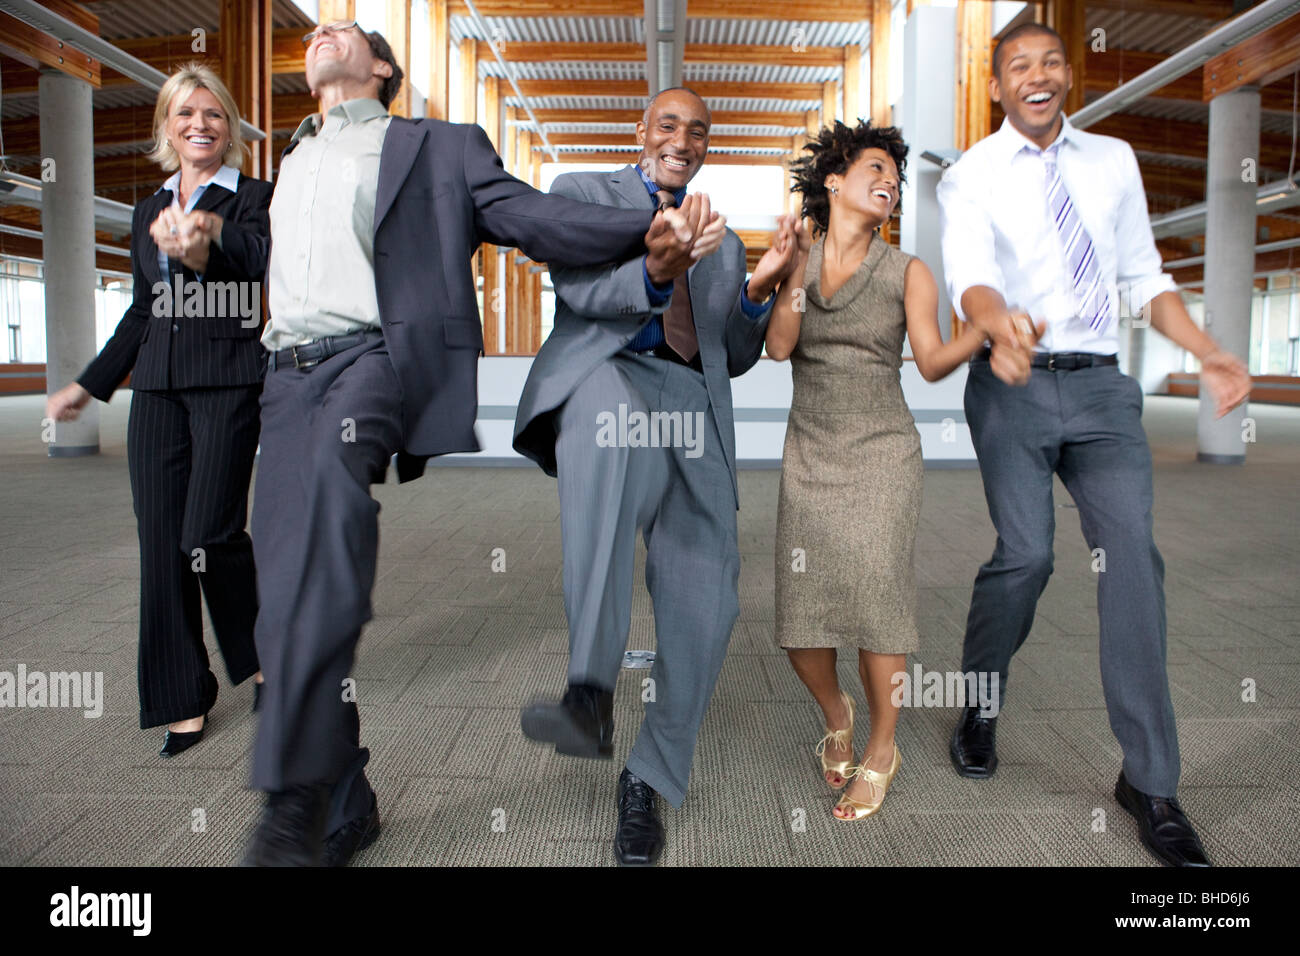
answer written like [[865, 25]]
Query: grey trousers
[[682, 499], [1086, 426], [328, 433]]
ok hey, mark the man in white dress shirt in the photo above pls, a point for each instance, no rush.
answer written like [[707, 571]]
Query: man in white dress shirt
[[1047, 224]]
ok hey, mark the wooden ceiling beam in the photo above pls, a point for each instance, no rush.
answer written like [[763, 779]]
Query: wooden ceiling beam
[[720, 117], [546, 52], [1105, 71], [827, 11], [708, 88], [625, 139], [1267, 56], [717, 159]]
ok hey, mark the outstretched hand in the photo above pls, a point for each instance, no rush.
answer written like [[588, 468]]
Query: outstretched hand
[[1228, 380], [780, 259]]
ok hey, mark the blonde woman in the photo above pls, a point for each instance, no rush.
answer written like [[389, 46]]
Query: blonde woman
[[851, 472], [195, 381]]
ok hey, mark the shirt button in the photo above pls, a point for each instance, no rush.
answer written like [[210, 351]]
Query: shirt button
[[176, 328]]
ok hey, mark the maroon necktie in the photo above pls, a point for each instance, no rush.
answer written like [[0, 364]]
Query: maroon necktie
[[678, 319]]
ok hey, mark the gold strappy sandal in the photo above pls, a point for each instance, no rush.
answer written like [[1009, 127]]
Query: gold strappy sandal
[[843, 739], [861, 810]]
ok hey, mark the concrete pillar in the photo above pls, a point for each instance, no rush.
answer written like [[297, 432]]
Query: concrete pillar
[[68, 225], [928, 122], [1229, 257]]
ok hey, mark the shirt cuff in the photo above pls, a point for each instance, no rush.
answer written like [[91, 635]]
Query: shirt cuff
[[752, 311], [657, 294]]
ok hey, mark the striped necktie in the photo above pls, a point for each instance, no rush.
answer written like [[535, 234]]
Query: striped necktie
[[1089, 293]]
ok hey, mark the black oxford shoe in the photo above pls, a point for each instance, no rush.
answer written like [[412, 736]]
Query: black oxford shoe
[[1164, 828], [353, 837], [973, 749], [292, 828], [639, 839], [580, 725]]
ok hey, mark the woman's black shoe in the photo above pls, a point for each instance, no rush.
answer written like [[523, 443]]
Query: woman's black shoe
[[178, 742]]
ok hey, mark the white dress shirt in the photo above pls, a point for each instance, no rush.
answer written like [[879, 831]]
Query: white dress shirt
[[321, 274], [227, 177], [998, 232]]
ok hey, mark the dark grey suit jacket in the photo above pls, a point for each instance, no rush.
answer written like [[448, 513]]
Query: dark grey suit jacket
[[599, 311], [442, 193]]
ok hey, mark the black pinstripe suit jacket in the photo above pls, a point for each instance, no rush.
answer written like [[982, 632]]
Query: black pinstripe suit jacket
[[173, 350]]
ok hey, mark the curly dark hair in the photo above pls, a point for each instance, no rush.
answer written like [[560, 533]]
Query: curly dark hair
[[835, 149]]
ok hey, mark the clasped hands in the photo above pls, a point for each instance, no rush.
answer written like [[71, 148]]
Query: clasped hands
[[1012, 335], [681, 236], [186, 237]]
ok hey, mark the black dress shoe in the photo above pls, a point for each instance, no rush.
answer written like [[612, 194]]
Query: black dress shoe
[[1164, 828], [973, 749], [353, 837], [180, 741], [639, 839], [580, 725], [292, 829]]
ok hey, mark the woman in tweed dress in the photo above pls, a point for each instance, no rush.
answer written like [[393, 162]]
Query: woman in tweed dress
[[851, 473]]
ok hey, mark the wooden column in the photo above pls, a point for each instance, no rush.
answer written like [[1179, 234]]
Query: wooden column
[[246, 71], [492, 110], [830, 99], [535, 278], [439, 38], [880, 114], [333, 10], [812, 123], [397, 31], [493, 289], [493, 296], [469, 80], [852, 67], [974, 67], [1067, 17]]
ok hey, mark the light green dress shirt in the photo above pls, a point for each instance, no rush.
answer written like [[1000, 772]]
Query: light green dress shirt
[[321, 275]]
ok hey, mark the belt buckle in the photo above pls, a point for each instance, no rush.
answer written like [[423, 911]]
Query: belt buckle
[[300, 364], [1051, 361]]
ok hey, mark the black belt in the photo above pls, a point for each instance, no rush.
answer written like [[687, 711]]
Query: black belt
[[664, 351], [313, 353], [1059, 361]]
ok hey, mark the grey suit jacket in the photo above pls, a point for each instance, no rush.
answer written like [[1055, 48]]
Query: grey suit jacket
[[598, 311]]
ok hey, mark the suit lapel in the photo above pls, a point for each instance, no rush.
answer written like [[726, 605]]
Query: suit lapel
[[401, 145], [212, 197], [627, 182]]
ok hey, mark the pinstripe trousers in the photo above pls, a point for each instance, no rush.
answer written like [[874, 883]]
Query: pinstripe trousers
[[190, 454]]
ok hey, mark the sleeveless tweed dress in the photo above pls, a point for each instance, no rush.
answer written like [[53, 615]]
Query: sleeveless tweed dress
[[850, 496]]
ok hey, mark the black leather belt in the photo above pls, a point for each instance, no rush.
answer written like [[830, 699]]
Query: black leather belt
[[1059, 361], [313, 353], [665, 352]]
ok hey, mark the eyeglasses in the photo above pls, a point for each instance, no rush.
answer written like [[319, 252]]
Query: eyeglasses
[[337, 27]]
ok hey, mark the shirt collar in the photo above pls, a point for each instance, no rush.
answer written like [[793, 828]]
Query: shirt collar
[[349, 111], [653, 189], [226, 177], [1011, 141]]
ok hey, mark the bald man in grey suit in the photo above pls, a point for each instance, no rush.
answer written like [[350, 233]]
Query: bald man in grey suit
[[629, 404]]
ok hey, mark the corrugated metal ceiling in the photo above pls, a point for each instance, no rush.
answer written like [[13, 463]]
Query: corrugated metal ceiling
[[119, 19], [638, 102], [632, 30], [1148, 32]]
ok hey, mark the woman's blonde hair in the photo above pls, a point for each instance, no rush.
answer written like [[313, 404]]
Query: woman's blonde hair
[[182, 84]]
